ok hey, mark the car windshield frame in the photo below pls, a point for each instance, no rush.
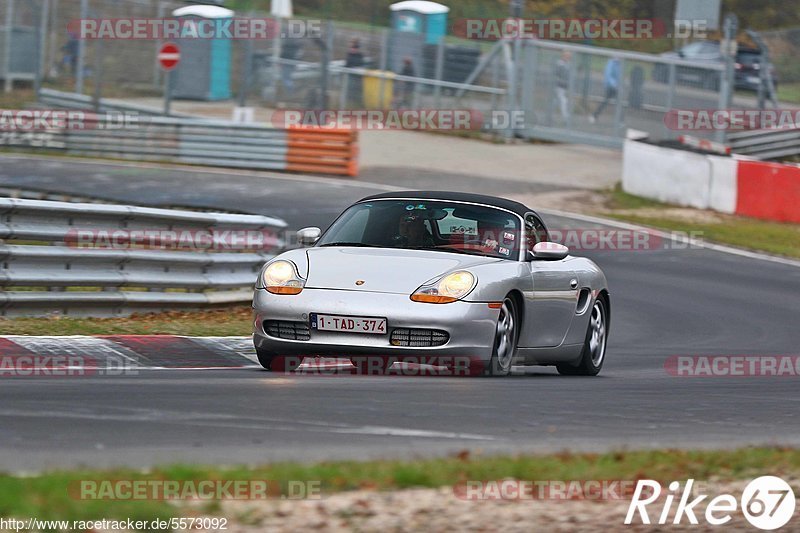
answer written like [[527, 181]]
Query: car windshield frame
[[518, 250]]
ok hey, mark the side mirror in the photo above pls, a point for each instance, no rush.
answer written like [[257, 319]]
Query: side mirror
[[550, 251], [308, 236]]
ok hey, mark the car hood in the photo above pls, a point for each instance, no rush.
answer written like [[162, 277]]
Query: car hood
[[382, 270]]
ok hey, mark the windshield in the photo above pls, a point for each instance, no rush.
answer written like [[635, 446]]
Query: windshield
[[699, 49], [748, 58], [428, 225]]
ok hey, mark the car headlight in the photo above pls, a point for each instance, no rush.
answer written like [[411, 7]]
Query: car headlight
[[446, 290], [281, 277]]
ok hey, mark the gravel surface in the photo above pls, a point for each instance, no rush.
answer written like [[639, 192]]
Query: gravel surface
[[436, 510]]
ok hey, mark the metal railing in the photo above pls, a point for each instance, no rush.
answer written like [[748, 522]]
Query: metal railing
[[126, 135], [110, 260], [65, 100], [766, 144]]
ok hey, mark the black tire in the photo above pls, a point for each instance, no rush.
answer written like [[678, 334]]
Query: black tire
[[505, 341], [277, 363], [594, 355]]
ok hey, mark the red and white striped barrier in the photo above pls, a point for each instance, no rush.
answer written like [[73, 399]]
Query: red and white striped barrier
[[735, 185]]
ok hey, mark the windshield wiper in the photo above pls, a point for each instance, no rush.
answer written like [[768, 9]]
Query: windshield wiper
[[447, 250], [350, 244]]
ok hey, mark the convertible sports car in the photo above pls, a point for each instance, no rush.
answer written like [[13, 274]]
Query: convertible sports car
[[452, 276]]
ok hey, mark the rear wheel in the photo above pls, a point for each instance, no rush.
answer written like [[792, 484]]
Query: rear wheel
[[594, 347], [505, 340]]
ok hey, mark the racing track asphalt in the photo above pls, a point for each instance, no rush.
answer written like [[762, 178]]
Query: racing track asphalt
[[665, 302]]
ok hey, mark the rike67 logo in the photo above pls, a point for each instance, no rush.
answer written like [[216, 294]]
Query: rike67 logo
[[768, 503]]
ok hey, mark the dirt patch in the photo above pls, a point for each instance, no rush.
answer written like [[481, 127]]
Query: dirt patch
[[573, 201], [686, 214], [438, 510]]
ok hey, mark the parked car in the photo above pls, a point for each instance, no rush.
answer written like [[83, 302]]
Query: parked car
[[748, 70], [708, 53]]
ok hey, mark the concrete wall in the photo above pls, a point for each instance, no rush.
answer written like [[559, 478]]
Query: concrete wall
[[735, 185]]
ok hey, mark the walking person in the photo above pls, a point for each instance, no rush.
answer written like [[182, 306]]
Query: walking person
[[71, 51], [407, 87], [611, 79], [562, 84]]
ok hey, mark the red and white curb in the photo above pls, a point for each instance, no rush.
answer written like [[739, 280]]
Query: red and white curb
[[122, 354], [129, 351]]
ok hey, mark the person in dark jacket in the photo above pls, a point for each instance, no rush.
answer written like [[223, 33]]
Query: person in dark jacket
[[407, 87], [355, 59]]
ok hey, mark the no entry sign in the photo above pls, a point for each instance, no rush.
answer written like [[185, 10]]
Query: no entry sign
[[169, 56]]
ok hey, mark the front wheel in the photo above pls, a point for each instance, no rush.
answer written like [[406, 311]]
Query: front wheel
[[505, 341], [594, 348], [277, 363]]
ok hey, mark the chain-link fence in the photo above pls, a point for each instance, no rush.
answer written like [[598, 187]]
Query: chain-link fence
[[784, 46], [594, 95], [564, 91], [380, 69], [21, 40]]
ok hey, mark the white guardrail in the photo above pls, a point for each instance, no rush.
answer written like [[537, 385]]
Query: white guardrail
[[766, 144], [113, 260]]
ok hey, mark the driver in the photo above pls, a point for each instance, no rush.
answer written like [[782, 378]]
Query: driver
[[413, 232]]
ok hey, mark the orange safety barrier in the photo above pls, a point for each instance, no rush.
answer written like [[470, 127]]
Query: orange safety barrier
[[322, 150]]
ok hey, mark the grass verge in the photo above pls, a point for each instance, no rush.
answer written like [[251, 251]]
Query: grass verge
[[789, 93], [752, 234], [52, 496], [226, 322]]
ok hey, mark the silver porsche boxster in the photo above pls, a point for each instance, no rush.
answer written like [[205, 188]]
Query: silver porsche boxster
[[450, 279]]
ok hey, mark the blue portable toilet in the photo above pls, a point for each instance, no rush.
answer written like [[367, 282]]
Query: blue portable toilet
[[204, 72], [421, 16], [415, 25]]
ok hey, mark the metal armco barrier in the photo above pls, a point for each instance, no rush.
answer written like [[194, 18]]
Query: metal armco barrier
[[63, 100], [766, 144], [193, 140], [108, 260]]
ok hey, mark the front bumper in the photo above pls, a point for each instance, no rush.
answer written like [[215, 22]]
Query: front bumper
[[471, 326]]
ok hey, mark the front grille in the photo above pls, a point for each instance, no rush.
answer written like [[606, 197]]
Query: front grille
[[292, 331], [419, 338]]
